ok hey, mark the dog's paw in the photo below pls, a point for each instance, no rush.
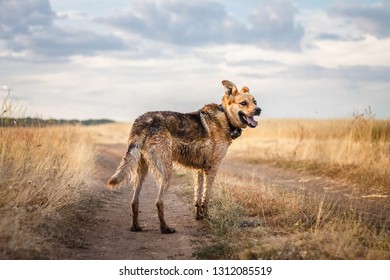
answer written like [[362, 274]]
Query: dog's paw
[[199, 216], [198, 213], [167, 230], [135, 228], [205, 211], [201, 212]]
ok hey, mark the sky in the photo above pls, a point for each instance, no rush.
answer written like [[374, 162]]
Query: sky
[[118, 59]]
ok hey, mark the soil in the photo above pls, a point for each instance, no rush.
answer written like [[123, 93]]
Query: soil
[[110, 237]]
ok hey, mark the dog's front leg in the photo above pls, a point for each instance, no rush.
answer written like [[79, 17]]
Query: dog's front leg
[[199, 181], [210, 176]]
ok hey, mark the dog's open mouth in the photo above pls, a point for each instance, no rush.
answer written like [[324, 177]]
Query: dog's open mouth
[[250, 121]]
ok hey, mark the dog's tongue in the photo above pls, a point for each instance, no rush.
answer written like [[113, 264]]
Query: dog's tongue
[[251, 121]]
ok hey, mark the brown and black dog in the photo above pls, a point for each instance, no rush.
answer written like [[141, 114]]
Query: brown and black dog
[[198, 140]]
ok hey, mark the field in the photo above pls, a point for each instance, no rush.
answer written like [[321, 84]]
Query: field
[[46, 179], [356, 150], [50, 195]]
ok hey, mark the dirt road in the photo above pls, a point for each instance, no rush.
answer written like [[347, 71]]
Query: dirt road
[[110, 237]]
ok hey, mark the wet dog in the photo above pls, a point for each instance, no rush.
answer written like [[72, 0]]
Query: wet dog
[[197, 140]]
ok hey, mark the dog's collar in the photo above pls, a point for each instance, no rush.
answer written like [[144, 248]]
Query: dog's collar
[[234, 131]]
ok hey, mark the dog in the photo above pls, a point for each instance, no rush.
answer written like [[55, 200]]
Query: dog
[[197, 140]]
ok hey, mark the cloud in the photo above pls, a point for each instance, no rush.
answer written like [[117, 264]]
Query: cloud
[[329, 36], [350, 74], [181, 23], [21, 17], [55, 42], [29, 27], [370, 18], [32, 30], [190, 23], [273, 23]]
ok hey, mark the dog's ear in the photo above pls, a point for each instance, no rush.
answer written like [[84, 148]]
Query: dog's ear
[[244, 89], [230, 88]]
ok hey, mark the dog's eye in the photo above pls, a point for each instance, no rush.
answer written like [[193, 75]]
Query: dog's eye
[[255, 102], [244, 103]]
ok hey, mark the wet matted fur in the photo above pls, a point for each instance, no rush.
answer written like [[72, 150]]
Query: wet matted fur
[[197, 140]]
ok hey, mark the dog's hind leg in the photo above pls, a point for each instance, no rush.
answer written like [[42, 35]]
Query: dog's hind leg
[[163, 176], [159, 158], [137, 181], [199, 180], [160, 210]]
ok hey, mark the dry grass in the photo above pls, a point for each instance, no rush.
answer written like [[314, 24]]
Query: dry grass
[[112, 133], [357, 149], [44, 172], [260, 221]]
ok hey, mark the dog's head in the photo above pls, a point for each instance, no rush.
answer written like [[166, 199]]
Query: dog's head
[[240, 106]]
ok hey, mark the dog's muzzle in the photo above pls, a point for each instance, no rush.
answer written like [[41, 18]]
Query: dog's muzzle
[[257, 111]]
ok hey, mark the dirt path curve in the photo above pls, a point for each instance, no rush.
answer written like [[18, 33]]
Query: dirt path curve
[[111, 238], [375, 208]]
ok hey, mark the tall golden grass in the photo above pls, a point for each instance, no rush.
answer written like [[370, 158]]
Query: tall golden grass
[[256, 220], [356, 149], [42, 172]]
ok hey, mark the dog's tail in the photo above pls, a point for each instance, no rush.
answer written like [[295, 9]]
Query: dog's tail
[[127, 165]]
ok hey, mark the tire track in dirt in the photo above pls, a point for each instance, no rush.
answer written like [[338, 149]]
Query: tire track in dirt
[[111, 239]]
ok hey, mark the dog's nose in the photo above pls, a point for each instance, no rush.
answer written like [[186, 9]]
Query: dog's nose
[[257, 111]]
